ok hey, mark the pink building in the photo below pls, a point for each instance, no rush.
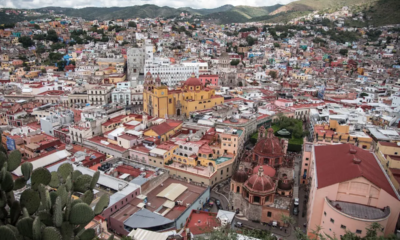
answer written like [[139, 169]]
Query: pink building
[[283, 103], [349, 191], [211, 79]]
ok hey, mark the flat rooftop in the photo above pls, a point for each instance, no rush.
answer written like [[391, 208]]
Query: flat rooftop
[[359, 210], [159, 205], [199, 170]]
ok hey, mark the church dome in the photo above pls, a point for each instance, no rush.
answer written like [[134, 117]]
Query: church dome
[[268, 170], [193, 81], [240, 176], [260, 183], [269, 146]]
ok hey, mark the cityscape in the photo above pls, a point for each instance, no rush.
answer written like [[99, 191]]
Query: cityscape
[[239, 122]]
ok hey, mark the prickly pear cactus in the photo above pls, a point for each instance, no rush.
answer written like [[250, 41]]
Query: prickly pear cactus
[[41, 214]]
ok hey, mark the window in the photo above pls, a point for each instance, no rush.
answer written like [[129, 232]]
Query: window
[[358, 231], [307, 159], [395, 153], [343, 226], [269, 214], [325, 213], [306, 164], [332, 221]]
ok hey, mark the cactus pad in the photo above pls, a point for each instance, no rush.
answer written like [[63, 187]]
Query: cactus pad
[[7, 184], [3, 158], [75, 175], [88, 234], [64, 170], [19, 183], [82, 183], [30, 200], [40, 175], [81, 213], [102, 204], [14, 160], [87, 197], [51, 233], [55, 181], [24, 227], [95, 178], [7, 234], [26, 169], [67, 230], [57, 213], [46, 218], [15, 212], [36, 229]]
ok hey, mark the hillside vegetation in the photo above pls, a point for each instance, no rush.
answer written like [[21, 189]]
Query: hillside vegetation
[[376, 12], [309, 5]]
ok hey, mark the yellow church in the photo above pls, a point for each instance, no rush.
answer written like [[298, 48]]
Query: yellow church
[[159, 101]]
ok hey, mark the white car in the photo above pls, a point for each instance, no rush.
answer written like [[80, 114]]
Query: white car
[[296, 201]]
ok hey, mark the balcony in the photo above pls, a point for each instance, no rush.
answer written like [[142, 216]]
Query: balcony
[[199, 170], [359, 211]]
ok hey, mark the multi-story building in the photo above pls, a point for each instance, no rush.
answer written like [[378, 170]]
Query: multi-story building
[[329, 134], [170, 74], [389, 155], [122, 93], [159, 101], [55, 120], [349, 191], [100, 95]]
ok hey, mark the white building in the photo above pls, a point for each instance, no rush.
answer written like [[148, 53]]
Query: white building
[[170, 74]]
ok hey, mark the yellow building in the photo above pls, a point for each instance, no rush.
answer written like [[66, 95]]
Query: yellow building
[[158, 101], [334, 132], [388, 154], [164, 131], [114, 78]]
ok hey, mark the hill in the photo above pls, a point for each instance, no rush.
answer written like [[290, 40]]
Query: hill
[[382, 12], [223, 14], [241, 14], [318, 5]]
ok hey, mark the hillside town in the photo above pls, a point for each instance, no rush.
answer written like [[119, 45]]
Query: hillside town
[[197, 130]]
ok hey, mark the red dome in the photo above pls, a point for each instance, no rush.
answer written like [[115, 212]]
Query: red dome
[[268, 170], [269, 146], [240, 176], [193, 82], [260, 183]]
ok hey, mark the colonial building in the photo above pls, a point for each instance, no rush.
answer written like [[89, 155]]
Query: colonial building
[[349, 191], [262, 188], [159, 101]]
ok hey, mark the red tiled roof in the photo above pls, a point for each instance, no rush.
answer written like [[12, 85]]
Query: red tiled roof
[[162, 128], [335, 164]]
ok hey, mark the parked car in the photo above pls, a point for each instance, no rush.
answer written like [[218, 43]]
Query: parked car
[[238, 224], [295, 211], [296, 201]]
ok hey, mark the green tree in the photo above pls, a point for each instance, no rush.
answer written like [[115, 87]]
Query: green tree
[[26, 41], [250, 40], [52, 36], [273, 74], [277, 45], [36, 26], [364, 94], [132, 24], [235, 62], [343, 51]]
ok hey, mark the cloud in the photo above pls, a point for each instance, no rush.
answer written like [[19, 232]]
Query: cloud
[[122, 3]]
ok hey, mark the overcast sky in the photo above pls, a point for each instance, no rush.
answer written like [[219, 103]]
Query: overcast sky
[[123, 3]]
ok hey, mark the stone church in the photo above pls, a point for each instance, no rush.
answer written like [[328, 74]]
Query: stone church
[[262, 188]]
